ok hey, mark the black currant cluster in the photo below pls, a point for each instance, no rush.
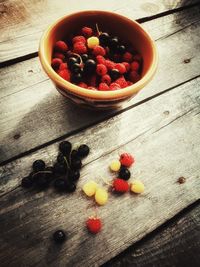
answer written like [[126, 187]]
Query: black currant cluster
[[65, 172], [113, 42]]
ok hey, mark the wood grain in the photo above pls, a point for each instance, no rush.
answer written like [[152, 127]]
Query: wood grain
[[176, 244], [31, 106], [23, 21], [28, 219]]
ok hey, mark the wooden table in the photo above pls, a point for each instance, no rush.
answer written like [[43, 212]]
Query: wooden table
[[161, 127]]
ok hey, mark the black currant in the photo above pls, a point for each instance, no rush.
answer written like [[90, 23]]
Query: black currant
[[124, 173], [90, 66], [121, 49], [27, 182], [76, 78], [74, 154], [38, 165], [59, 168], [113, 43], [74, 175], [59, 236], [76, 164], [60, 184], [65, 148], [76, 68], [83, 151], [42, 181], [104, 38], [60, 158], [70, 187], [72, 61], [114, 74], [85, 57]]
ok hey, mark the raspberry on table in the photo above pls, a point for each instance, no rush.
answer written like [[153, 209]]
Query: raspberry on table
[[55, 63], [101, 69], [94, 225], [120, 67], [120, 185], [128, 57], [98, 50], [135, 65], [106, 79], [103, 87], [79, 38], [61, 46], [79, 48], [100, 59], [87, 31]]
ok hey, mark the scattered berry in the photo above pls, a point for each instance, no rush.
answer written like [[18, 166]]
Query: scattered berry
[[115, 165], [120, 185], [87, 31], [80, 39], [137, 187], [101, 69], [101, 196], [98, 50], [70, 187], [103, 87], [38, 165], [90, 188], [94, 225], [27, 182], [59, 236], [76, 164], [92, 42], [61, 47], [65, 147], [73, 175], [124, 173], [55, 63], [126, 159], [60, 184], [83, 151]]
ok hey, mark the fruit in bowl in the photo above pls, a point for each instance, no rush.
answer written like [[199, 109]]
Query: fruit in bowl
[[98, 59]]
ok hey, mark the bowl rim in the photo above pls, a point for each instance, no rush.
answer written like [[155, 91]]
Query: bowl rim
[[96, 94]]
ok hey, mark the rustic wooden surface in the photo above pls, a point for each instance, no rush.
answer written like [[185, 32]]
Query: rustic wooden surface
[[163, 135]]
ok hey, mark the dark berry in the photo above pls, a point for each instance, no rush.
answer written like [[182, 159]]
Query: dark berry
[[59, 168], [76, 78], [70, 187], [49, 174], [124, 173], [60, 184], [59, 236], [113, 43], [72, 61], [104, 38], [65, 147], [27, 182], [60, 158], [74, 154], [74, 175], [83, 151], [84, 57], [76, 164], [38, 165], [114, 74], [121, 49], [90, 66], [42, 181], [76, 68]]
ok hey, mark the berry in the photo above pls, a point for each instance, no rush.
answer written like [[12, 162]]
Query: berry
[[124, 173], [94, 225], [90, 66], [126, 159], [76, 68], [113, 43], [76, 78], [65, 74], [38, 165], [83, 151], [121, 82], [59, 168], [90, 188], [101, 196], [106, 79], [104, 38], [103, 87], [76, 164], [121, 49], [98, 50], [114, 74], [72, 61], [120, 67], [100, 60], [79, 38], [128, 57], [87, 31], [61, 46], [27, 182], [115, 165], [120, 186], [55, 63], [134, 76], [60, 184], [59, 55], [138, 58], [79, 48], [84, 57], [114, 86], [74, 154], [63, 66], [92, 42], [70, 187], [42, 181], [109, 64], [135, 66], [101, 69], [127, 66], [83, 85], [65, 147], [137, 187], [73, 175], [59, 236], [60, 158]]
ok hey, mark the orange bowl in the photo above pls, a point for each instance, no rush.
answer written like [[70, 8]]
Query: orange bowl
[[128, 30]]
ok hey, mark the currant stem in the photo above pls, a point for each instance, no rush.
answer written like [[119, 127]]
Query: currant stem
[[98, 31], [41, 172]]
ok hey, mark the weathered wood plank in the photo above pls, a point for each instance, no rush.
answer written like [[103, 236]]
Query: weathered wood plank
[[176, 244], [31, 106], [23, 21], [27, 219]]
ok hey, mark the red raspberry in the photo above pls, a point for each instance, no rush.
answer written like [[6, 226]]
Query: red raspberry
[[135, 65], [134, 76], [58, 55], [138, 58], [92, 88], [120, 185], [114, 86], [83, 85], [101, 69], [122, 82], [103, 87], [79, 38], [61, 46], [126, 159], [98, 50], [127, 66], [128, 57], [55, 63], [87, 32], [63, 66], [129, 83], [65, 74], [120, 67], [100, 59], [109, 64], [80, 48], [106, 79], [94, 225]]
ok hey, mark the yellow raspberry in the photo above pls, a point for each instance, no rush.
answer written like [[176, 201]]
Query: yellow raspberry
[[137, 187], [101, 196], [115, 165], [90, 188], [92, 42]]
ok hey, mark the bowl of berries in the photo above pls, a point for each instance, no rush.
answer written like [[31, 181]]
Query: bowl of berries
[[98, 59]]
